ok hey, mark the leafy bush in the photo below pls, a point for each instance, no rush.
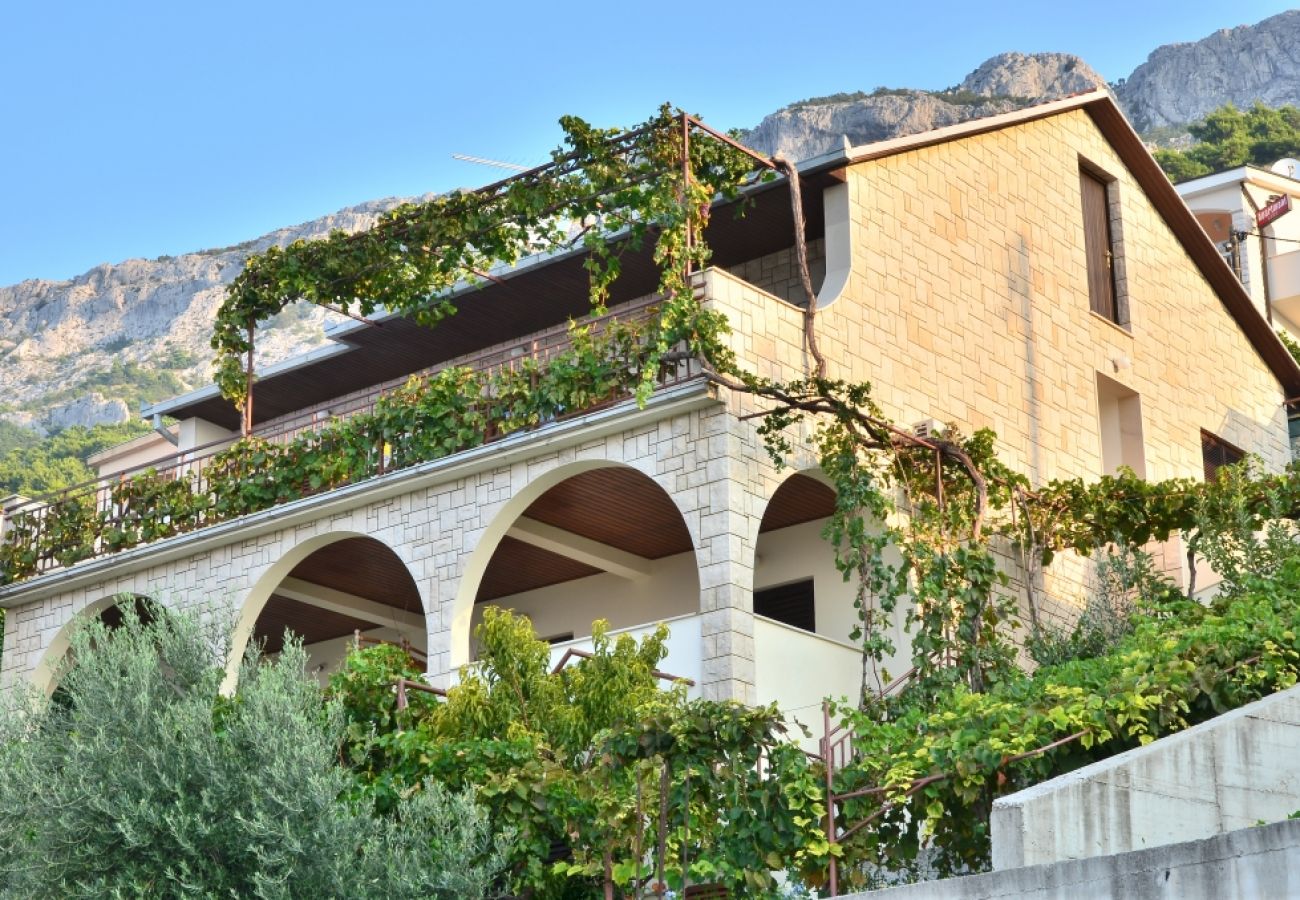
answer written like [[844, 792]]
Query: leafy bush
[[593, 764], [1128, 583], [143, 780], [942, 764]]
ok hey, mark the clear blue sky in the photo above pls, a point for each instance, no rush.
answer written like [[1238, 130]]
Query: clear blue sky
[[134, 129]]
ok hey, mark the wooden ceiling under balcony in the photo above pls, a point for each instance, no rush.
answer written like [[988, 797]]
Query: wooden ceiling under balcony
[[623, 509], [615, 507], [358, 567]]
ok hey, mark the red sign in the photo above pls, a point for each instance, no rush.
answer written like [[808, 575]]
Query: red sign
[[1274, 210]]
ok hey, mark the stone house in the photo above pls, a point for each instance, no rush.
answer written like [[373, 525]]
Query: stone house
[[1034, 273]]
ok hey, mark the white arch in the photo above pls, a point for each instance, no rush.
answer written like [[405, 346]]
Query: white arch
[[461, 613], [43, 676], [265, 584]]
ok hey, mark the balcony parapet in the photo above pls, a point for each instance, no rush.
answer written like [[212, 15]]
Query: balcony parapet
[[548, 377]]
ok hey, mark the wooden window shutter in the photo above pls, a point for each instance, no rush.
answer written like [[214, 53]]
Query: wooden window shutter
[[790, 604], [1099, 245], [1217, 453]]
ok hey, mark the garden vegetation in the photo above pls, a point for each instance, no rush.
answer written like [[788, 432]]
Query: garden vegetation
[[594, 781]]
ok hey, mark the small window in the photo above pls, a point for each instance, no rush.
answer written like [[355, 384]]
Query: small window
[[1119, 415], [1217, 453], [790, 604], [1099, 245]]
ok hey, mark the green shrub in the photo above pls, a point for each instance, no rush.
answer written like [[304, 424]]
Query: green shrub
[[1128, 584], [144, 781]]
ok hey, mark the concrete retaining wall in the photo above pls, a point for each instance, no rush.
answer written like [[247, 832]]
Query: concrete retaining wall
[[1232, 772], [1251, 862]]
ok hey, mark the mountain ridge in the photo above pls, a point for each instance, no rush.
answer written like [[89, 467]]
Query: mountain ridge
[[87, 349]]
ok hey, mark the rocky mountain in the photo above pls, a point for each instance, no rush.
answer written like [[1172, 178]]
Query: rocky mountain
[[86, 350], [1005, 82], [93, 348], [1180, 83]]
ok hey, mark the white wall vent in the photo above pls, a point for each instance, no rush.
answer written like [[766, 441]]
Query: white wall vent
[[928, 428]]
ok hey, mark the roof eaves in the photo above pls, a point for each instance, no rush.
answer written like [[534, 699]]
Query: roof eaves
[[211, 391], [1181, 221]]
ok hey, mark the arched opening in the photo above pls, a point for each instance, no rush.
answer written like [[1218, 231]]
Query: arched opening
[[328, 592], [591, 543], [804, 613], [795, 579], [110, 610]]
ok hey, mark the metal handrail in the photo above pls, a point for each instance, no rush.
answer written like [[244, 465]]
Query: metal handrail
[[192, 464]]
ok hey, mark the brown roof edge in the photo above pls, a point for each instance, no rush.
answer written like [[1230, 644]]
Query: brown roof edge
[[972, 127], [1164, 196], [1116, 128]]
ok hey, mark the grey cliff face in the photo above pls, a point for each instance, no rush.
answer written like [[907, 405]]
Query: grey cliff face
[[1008, 81], [1033, 76], [802, 132], [55, 335], [1180, 83]]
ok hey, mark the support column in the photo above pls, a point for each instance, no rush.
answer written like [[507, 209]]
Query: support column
[[726, 561]]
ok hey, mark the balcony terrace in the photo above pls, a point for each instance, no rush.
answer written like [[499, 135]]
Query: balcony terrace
[[379, 430]]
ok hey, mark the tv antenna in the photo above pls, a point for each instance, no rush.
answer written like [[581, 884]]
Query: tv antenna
[[515, 167]]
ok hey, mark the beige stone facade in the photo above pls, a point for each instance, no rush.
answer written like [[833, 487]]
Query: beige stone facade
[[955, 281]]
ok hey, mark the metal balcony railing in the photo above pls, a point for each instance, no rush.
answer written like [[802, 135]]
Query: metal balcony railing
[[89, 520]]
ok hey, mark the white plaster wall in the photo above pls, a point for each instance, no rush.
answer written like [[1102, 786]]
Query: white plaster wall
[[200, 433], [797, 670], [149, 448], [672, 589], [799, 552]]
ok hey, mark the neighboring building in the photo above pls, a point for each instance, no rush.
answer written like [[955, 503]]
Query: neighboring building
[[1230, 206], [141, 452], [1034, 273]]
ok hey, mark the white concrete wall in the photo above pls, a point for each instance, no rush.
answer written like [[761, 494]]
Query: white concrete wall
[[672, 589], [1259, 862], [799, 552], [1238, 769], [200, 433], [797, 670], [141, 451]]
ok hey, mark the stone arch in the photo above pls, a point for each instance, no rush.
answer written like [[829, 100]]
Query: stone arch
[[793, 565], [318, 587], [476, 569], [45, 675]]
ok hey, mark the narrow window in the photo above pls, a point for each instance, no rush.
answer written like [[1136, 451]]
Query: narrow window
[[1099, 244], [1217, 453], [790, 604], [1119, 414]]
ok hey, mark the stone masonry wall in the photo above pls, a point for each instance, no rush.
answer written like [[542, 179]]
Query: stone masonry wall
[[438, 530], [967, 304]]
